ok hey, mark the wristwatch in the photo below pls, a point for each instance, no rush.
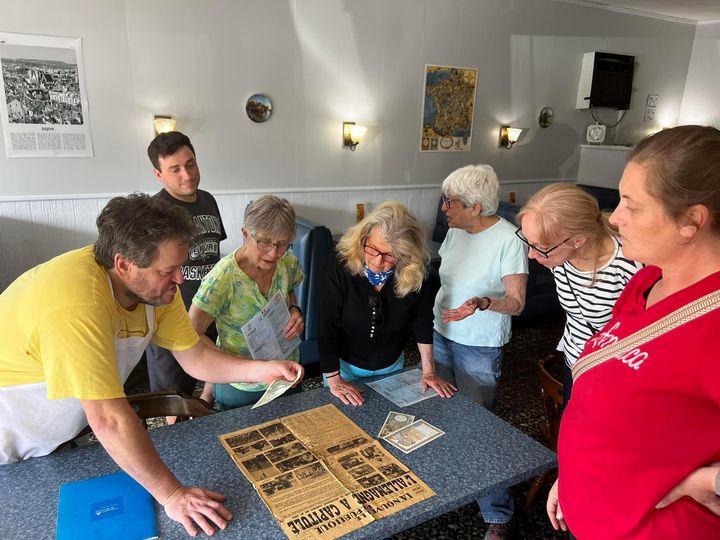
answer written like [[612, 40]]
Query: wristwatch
[[296, 307], [480, 303]]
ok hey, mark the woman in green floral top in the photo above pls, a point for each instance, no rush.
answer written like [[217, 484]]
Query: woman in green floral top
[[241, 284]]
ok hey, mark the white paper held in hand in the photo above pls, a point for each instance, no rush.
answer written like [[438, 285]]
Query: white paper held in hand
[[276, 389]]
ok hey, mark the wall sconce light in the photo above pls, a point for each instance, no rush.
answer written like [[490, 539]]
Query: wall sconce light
[[163, 124], [509, 136], [352, 134]]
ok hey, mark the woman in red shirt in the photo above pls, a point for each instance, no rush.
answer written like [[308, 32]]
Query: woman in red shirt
[[639, 448]]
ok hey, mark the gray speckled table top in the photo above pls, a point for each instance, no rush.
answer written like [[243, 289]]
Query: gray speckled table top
[[479, 452]]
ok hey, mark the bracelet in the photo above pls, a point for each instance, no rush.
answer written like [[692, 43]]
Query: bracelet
[[296, 307], [333, 375], [489, 302]]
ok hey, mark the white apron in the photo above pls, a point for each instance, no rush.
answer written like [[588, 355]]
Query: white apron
[[32, 425]]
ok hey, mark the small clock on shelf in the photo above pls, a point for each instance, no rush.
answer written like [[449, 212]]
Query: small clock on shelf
[[595, 134]]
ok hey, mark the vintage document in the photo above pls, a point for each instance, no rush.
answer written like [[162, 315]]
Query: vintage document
[[322, 476], [402, 389], [264, 332], [414, 436], [275, 389], [395, 421]]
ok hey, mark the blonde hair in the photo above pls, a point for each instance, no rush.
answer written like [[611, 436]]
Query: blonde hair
[[474, 184], [401, 230], [565, 210]]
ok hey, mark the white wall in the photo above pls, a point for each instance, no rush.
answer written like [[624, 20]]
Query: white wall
[[700, 102], [325, 61], [321, 62]]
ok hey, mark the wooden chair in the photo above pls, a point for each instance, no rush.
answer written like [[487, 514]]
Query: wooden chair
[[168, 403], [551, 391]]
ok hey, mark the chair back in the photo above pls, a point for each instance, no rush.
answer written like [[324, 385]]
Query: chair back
[[168, 403], [313, 246], [552, 395]]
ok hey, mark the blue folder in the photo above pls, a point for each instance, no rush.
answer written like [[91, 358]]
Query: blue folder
[[107, 507]]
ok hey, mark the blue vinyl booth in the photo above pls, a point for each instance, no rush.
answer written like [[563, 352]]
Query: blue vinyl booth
[[313, 245]]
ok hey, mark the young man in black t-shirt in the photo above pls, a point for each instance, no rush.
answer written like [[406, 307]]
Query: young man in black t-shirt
[[175, 165]]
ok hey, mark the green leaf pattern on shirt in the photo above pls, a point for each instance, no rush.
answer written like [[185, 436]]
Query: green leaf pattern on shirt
[[233, 298]]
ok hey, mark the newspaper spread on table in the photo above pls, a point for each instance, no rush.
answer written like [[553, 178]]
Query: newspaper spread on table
[[403, 389], [322, 476], [264, 332]]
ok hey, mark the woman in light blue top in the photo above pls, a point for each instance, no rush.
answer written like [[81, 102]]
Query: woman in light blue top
[[483, 275]]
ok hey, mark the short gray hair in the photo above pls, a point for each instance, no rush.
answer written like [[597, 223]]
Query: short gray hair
[[271, 215], [474, 184]]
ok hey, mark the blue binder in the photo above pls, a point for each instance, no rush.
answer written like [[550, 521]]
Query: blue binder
[[107, 507]]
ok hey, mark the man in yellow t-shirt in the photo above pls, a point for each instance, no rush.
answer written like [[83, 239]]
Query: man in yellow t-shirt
[[75, 327]]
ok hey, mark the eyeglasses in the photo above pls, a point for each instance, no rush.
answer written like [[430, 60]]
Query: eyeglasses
[[266, 245], [376, 315], [544, 252], [447, 201], [386, 257]]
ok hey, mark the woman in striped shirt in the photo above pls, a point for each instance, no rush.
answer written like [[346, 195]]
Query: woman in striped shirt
[[566, 232]]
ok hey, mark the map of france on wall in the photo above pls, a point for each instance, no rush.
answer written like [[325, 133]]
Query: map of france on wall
[[448, 109]]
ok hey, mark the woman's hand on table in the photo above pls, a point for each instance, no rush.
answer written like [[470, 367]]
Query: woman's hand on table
[[197, 506], [554, 511], [348, 393], [458, 314], [295, 324], [700, 485], [437, 383]]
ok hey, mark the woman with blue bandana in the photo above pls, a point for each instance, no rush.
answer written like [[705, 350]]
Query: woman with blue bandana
[[376, 293]]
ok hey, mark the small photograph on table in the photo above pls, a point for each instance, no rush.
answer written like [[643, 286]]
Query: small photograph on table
[[414, 436], [394, 422]]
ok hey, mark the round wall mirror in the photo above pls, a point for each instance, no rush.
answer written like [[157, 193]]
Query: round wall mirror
[[258, 108]]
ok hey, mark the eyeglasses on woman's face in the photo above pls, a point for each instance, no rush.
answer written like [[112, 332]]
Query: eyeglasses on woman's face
[[386, 257], [451, 203], [542, 252], [265, 245]]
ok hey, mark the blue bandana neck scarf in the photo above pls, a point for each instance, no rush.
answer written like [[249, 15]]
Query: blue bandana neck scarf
[[378, 278]]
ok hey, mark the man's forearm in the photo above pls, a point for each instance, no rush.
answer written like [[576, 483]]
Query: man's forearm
[[122, 435], [207, 363]]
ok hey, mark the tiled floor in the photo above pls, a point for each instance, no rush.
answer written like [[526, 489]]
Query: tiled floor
[[518, 403]]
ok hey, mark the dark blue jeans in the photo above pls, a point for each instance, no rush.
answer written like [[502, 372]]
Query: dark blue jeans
[[475, 371]]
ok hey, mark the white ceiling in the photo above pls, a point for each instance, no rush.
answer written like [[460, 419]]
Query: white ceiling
[[691, 10]]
